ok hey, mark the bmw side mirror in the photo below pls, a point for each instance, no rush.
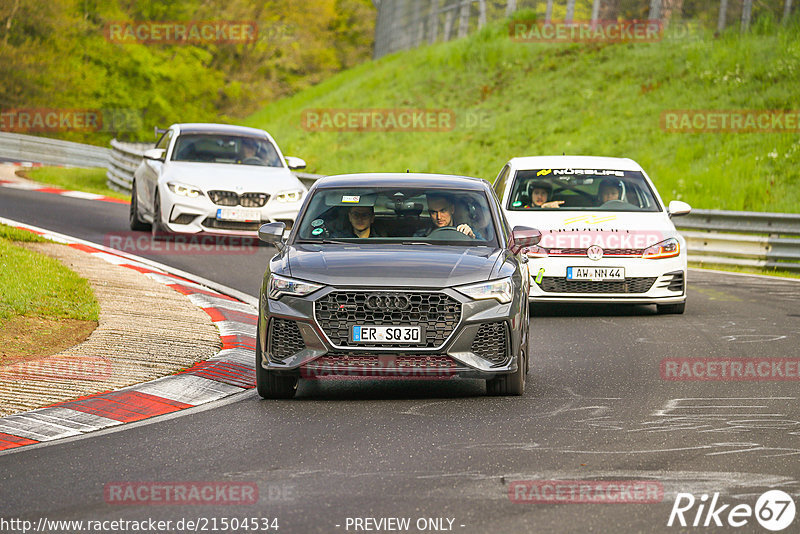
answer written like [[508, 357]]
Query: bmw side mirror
[[295, 163], [155, 154], [678, 207], [522, 237], [272, 233]]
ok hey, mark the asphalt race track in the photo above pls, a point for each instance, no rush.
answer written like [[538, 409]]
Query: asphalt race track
[[597, 408]]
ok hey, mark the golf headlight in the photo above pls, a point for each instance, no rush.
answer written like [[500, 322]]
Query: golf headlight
[[290, 196], [184, 190], [279, 286], [500, 290], [669, 248]]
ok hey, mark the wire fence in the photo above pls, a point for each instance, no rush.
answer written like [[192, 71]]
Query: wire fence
[[405, 24]]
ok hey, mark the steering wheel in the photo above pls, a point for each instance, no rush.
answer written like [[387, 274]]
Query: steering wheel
[[449, 233], [619, 205], [252, 160], [584, 193]]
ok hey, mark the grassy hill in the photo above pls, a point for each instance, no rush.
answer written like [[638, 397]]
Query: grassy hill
[[514, 99]]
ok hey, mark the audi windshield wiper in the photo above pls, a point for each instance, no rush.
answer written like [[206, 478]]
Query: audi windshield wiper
[[325, 242], [416, 243]]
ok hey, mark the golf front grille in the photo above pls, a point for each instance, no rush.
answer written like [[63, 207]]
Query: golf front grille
[[636, 252], [339, 311], [283, 339], [491, 342], [556, 284]]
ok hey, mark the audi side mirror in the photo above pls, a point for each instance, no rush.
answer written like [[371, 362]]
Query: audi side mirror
[[522, 237], [272, 233]]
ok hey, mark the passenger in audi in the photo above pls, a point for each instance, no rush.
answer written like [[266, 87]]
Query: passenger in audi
[[361, 219], [441, 208]]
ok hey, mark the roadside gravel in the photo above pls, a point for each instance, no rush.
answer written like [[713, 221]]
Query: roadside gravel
[[146, 330]]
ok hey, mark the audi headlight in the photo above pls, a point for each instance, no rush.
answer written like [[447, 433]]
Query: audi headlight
[[280, 285], [184, 190], [669, 248], [500, 290], [290, 196]]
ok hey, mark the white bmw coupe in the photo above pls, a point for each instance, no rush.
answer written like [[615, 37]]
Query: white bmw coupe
[[214, 179]]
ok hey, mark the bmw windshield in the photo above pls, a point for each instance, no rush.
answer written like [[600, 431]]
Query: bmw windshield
[[219, 148], [581, 190], [398, 215]]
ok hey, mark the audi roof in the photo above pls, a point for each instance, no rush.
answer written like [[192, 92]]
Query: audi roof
[[403, 179]]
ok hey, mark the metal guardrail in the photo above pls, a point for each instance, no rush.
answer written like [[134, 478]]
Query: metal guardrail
[[126, 157], [748, 238], [24, 148]]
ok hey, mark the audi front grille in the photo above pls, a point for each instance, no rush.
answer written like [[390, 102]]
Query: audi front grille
[[339, 311]]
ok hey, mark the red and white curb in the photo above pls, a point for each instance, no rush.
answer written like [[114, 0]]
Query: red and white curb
[[230, 371], [31, 186]]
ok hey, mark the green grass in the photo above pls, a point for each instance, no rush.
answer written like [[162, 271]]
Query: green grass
[[33, 284], [9, 233], [595, 99], [75, 179], [743, 269]]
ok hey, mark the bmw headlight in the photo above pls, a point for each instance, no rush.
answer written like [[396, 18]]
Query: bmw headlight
[[289, 196], [280, 285], [500, 290], [669, 248], [184, 190]]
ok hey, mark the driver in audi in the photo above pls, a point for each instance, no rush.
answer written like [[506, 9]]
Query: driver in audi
[[441, 209]]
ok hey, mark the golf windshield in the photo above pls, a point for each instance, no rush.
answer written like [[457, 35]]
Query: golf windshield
[[581, 190]]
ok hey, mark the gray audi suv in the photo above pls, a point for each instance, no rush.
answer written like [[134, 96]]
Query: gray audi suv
[[395, 276]]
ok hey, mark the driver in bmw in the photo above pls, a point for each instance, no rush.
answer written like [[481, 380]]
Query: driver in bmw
[[441, 209]]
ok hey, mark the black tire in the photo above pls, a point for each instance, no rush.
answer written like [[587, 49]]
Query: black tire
[[511, 383], [135, 222], [663, 309], [157, 230], [270, 385]]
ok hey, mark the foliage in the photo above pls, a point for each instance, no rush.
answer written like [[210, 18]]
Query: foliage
[[56, 55], [516, 99]]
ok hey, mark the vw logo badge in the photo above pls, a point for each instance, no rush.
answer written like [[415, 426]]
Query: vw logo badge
[[387, 302], [594, 252]]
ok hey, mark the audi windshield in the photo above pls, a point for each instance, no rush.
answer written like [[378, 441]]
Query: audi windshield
[[363, 214]]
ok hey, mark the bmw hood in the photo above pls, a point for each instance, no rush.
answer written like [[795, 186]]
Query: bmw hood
[[390, 265], [230, 177]]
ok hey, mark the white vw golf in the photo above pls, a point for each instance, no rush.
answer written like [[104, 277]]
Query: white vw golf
[[217, 179], [606, 234]]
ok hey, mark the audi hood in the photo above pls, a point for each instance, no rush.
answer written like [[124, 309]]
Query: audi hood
[[381, 264]]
